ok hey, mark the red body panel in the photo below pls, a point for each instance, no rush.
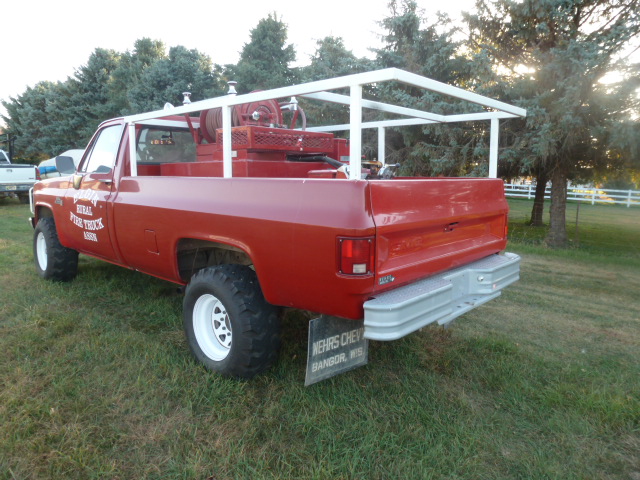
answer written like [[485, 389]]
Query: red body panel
[[288, 227], [251, 165], [428, 225]]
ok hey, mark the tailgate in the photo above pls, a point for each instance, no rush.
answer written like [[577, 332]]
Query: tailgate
[[429, 225], [17, 173]]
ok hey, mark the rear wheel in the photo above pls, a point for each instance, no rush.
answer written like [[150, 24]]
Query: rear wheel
[[53, 261], [229, 326]]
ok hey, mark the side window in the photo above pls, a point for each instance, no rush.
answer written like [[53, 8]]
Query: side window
[[104, 150]]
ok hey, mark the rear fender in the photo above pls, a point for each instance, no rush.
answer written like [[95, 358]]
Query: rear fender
[[193, 255]]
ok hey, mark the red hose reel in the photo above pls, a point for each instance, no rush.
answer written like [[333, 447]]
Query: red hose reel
[[265, 113]]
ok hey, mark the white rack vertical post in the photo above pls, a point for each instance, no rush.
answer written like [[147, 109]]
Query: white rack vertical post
[[133, 161], [355, 132], [493, 148], [227, 163], [381, 145]]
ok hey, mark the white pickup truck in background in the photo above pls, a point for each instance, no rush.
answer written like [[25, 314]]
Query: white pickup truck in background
[[16, 180]]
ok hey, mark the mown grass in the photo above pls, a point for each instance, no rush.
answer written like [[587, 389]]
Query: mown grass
[[610, 232], [96, 380]]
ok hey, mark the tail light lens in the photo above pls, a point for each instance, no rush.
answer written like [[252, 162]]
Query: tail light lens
[[356, 255], [38, 177]]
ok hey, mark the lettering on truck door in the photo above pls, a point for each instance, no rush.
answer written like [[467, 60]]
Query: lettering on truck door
[[86, 202]]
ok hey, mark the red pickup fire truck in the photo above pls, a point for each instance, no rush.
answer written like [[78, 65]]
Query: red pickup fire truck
[[250, 208]]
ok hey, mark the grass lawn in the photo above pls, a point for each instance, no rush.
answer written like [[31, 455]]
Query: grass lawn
[[96, 380]]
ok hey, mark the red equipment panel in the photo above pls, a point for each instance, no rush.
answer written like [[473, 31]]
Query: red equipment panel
[[276, 139]]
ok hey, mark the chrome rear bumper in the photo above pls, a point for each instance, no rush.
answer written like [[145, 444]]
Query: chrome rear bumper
[[440, 298]]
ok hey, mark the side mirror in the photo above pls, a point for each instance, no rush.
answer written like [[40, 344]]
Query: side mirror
[[65, 165]]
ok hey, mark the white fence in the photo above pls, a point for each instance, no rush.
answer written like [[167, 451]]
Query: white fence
[[580, 194]]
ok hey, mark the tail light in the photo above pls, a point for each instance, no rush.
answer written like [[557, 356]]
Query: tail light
[[506, 226], [356, 255], [38, 177]]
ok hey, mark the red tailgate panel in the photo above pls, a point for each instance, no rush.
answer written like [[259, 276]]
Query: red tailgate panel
[[425, 226]]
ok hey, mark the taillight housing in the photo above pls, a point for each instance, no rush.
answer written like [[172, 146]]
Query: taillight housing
[[356, 255]]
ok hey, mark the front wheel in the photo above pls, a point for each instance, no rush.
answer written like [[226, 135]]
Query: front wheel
[[53, 261], [229, 326]]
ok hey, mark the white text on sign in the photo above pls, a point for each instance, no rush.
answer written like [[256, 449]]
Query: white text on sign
[[336, 341]]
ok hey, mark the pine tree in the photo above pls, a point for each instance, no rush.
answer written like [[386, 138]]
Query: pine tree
[[167, 78], [52, 117], [556, 52], [127, 75], [331, 59], [264, 61], [427, 47]]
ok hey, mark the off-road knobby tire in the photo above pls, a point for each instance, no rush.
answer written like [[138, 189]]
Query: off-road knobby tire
[[255, 329], [60, 263]]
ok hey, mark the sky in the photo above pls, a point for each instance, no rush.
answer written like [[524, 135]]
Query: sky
[[49, 40]]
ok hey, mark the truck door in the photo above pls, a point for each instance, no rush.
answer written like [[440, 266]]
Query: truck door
[[88, 201]]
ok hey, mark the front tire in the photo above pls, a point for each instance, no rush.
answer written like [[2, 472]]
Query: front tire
[[229, 326], [53, 261]]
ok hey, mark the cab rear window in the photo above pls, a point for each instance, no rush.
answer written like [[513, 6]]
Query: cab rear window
[[161, 145]]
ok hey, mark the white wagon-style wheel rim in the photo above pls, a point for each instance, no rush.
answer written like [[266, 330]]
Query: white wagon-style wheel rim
[[41, 250], [212, 327]]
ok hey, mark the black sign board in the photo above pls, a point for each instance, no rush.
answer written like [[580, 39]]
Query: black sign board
[[336, 345]]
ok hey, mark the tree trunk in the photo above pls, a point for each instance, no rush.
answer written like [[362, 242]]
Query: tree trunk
[[537, 212], [557, 236]]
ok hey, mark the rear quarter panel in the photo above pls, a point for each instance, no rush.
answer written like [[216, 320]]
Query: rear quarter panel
[[288, 227]]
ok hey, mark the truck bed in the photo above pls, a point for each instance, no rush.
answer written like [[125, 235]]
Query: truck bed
[[289, 228]]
